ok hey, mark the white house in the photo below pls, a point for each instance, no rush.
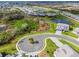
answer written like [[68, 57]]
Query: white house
[[62, 26]]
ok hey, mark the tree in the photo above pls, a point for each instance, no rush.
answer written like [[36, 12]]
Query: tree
[[31, 40], [5, 36], [12, 14], [32, 24], [70, 28]]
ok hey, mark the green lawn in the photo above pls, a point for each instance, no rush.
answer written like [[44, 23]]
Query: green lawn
[[69, 33], [50, 48], [8, 48], [74, 46], [52, 28]]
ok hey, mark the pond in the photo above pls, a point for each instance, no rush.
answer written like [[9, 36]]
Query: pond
[[62, 21]]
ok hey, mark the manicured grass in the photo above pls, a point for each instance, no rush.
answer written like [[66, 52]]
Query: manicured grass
[[52, 27], [8, 48], [50, 48], [69, 33], [74, 46]]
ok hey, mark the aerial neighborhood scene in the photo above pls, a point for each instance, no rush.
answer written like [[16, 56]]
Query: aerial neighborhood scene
[[39, 28]]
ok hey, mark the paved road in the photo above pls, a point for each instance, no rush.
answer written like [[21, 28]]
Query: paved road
[[56, 41], [71, 16], [25, 46], [58, 36]]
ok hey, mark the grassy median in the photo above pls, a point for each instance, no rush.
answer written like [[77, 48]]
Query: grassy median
[[69, 33], [50, 48], [72, 45]]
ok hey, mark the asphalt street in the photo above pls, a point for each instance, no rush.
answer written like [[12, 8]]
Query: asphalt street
[[26, 47]]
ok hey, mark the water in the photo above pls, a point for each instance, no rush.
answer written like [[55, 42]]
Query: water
[[62, 21]]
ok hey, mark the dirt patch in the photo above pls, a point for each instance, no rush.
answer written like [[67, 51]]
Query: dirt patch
[[43, 27], [43, 54]]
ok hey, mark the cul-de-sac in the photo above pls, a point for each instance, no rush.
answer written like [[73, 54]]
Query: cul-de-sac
[[39, 29]]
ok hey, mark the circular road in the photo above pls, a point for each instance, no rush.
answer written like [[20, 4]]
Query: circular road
[[25, 47]]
